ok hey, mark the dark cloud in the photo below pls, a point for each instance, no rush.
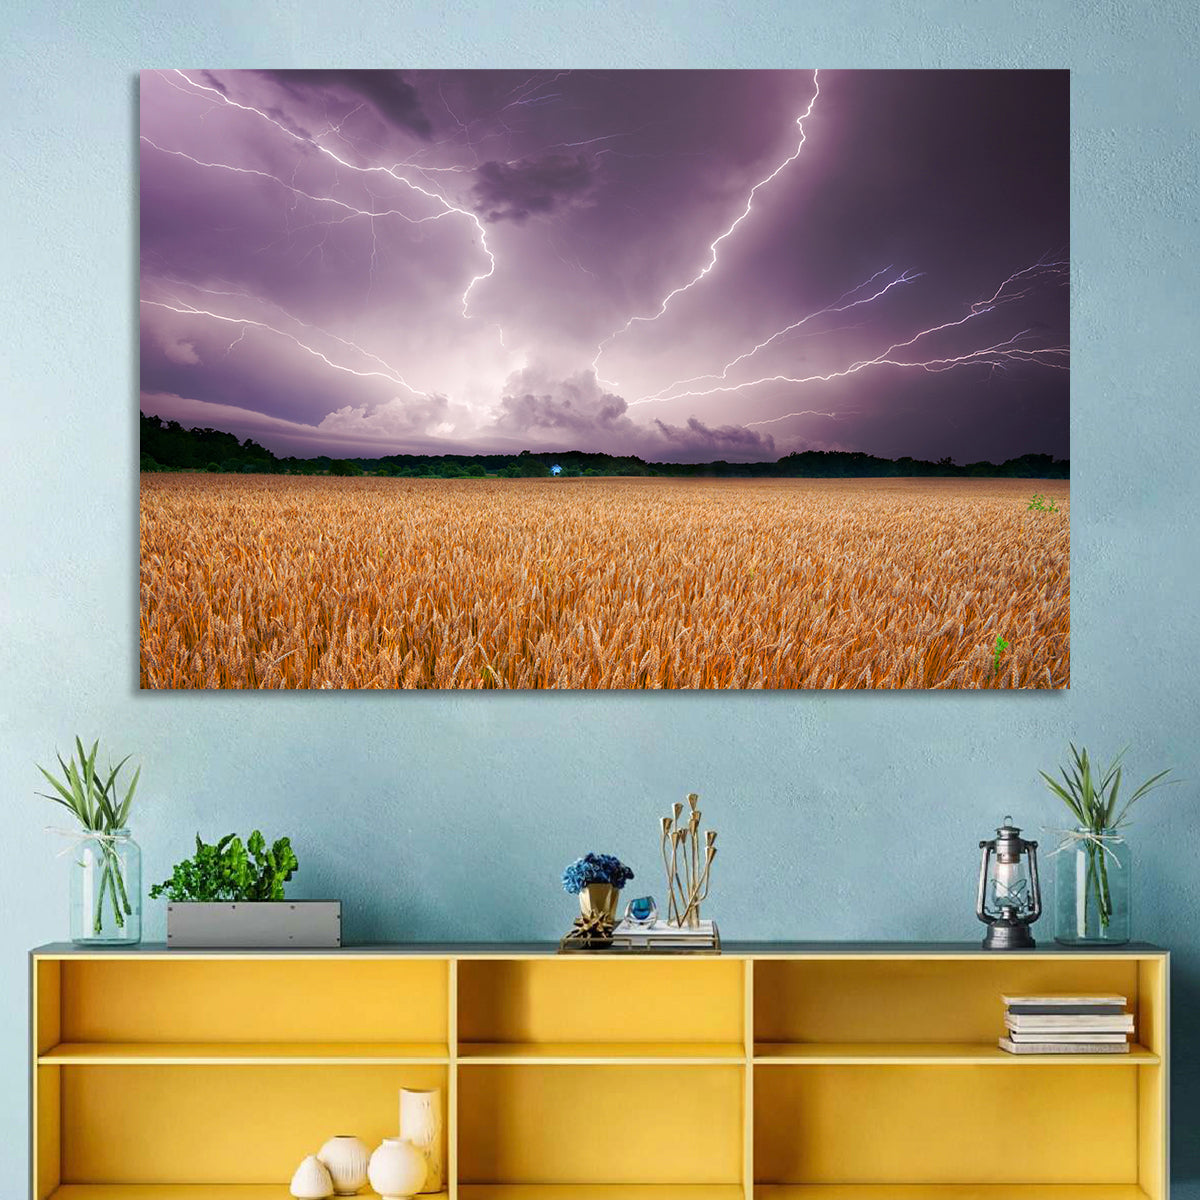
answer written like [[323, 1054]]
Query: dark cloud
[[555, 409], [399, 418], [532, 400], [386, 91], [213, 82], [513, 191], [733, 439]]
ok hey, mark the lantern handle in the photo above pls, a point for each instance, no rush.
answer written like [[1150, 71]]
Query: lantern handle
[[1037, 889], [980, 909]]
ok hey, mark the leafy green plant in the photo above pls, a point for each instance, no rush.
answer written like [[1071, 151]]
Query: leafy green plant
[[1094, 801], [94, 800], [231, 870], [998, 649], [1039, 504]]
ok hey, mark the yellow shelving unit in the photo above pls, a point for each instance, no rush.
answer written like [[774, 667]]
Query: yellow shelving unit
[[798, 1072]]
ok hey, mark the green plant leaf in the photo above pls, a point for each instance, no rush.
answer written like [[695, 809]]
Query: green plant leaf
[[123, 813], [81, 797], [1113, 789], [1149, 785], [227, 872], [1093, 797], [1065, 796], [65, 797]]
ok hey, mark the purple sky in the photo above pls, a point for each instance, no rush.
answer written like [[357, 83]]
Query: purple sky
[[374, 262]]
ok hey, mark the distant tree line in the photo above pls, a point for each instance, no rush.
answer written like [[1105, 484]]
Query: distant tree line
[[167, 446]]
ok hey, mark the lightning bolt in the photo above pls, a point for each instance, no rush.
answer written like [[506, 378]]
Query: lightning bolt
[[351, 209], [191, 310], [244, 295], [998, 355], [377, 169], [1030, 276], [529, 88], [836, 307], [712, 248], [241, 337]]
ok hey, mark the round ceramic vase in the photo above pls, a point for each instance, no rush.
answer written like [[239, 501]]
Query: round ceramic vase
[[421, 1124], [311, 1180], [397, 1169], [345, 1158]]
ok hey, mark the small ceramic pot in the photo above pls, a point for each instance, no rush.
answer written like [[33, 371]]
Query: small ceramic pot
[[345, 1158], [397, 1169], [311, 1180]]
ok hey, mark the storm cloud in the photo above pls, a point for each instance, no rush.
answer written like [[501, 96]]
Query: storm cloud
[[513, 191], [555, 411], [386, 91]]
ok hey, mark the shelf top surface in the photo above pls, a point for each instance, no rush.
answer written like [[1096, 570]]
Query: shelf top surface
[[83, 1053], [484, 950]]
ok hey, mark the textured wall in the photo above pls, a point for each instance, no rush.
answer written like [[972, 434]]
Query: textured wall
[[449, 816]]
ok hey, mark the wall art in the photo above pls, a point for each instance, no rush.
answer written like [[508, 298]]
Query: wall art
[[604, 379]]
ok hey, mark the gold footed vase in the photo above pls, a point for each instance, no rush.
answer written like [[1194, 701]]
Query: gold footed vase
[[599, 900]]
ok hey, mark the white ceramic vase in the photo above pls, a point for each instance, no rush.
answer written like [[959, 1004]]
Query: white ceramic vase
[[397, 1169], [311, 1180], [345, 1158], [421, 1124]]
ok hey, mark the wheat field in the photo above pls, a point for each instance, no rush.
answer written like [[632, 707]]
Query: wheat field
[[294, 582]]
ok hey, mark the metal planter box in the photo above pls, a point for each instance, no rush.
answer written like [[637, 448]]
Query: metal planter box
[[268, 924]]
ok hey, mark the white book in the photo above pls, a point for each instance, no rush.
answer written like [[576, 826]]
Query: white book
[[1041, 1024], [1065, 1000], [1033, 1038], [665, 936], [662, 929], [1063, 1047], [1075, 1006]]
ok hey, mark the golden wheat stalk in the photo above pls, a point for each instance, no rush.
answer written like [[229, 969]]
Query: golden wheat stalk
[[282, 582]]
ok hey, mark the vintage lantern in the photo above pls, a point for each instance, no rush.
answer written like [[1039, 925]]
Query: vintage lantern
[[1009, 898]]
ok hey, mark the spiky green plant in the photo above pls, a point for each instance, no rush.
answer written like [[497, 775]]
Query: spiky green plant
[[1094, 801], [94, 800]]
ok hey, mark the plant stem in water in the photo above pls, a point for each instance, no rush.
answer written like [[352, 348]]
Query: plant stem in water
[[1105, 894]]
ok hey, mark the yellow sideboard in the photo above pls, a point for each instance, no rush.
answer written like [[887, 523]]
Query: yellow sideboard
[[770, 1072]]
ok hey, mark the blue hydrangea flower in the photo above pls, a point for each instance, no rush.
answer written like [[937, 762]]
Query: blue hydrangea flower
[[595, 868]]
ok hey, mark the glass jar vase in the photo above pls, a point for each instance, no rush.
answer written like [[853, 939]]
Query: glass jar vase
[[1091, 889], [106, 889]]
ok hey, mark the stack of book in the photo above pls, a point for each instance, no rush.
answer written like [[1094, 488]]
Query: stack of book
[[663, 937], [1066, 1025]]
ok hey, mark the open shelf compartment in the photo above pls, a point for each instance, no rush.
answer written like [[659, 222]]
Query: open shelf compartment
[[120, 1125], [935, 1009], [96, 1011], [615, 1127], [936, 1125], [577, 1010]]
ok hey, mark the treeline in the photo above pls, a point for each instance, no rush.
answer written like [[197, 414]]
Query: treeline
[[167, 446]]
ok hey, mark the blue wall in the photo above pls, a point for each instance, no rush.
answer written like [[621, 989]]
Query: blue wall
[[449, 816]]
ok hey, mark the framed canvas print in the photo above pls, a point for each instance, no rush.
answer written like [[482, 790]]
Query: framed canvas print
[[604, 379]]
